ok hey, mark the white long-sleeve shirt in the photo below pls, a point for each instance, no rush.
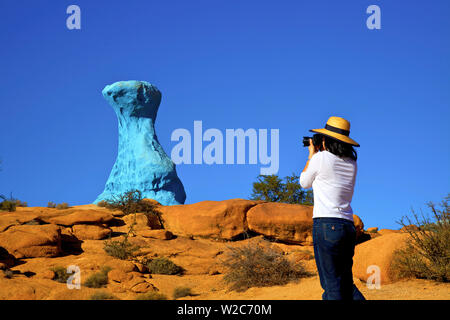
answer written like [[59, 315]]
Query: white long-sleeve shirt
[[333, 180]]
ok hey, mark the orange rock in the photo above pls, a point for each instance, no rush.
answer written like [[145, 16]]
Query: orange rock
[[120, 276], [123, 265], [8, 219], [411, 227], [387, 231], [282, 221], [143, 287], [156, 234], [71, 217], [46, 274], [378, 252], [141, 221], [213, 219], [90, 232], [29, 241]]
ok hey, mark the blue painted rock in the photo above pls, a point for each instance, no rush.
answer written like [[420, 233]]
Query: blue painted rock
[[141, 162]]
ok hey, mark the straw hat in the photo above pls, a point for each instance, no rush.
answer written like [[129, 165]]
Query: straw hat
[[339, 129]]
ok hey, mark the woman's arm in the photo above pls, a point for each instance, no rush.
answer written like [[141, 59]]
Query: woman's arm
[[307, 176], [312, 150]]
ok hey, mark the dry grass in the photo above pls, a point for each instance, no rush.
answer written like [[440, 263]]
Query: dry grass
[[99, 279], [253, 265], [427, 254]]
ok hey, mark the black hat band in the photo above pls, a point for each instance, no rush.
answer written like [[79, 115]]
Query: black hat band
[[337, 130]]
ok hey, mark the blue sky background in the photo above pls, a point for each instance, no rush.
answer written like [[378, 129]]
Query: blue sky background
[[285, 65]]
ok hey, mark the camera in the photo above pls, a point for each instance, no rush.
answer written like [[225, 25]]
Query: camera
[[316, 139]]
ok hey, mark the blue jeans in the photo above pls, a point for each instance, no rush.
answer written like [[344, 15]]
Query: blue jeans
[[334, 246]]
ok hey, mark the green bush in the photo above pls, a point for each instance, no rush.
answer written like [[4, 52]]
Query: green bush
[[62, 206], [427, 253], [51, 204], [152, 295], [61, 274], [180, 292], [7, 205], [253, 265], [99, 279], [10, 204], [102, 295], [271, 188], [132, 202], [120, 249], [163, 265]]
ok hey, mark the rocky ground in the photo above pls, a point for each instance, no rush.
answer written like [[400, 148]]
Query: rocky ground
[[195, 237]]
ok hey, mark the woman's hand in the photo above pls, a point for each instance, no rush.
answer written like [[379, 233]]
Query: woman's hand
[[311, 148]]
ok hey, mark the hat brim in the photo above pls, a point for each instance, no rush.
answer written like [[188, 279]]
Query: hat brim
[[336, 136]]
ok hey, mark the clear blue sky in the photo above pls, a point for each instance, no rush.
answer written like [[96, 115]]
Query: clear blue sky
[[285, 65]]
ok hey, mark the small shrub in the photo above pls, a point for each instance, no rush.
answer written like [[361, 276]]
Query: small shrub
[[51, 204], [152, 295], [102, 204], [62, 206], [253, 265], [132, 202], [99, 279], [10, 204], [180, 292], [61, 274], [102, 295], [21, 203], [120, 249], [427, 253], [8, 273], [7, 205], [163, 266]]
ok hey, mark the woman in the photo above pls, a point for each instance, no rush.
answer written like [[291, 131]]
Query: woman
[[331, 172]]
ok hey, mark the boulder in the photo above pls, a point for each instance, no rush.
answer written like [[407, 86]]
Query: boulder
[[286, 222], [141, 221], [8, 219], [71, 217], [372, 230], [30, 241], [118, 275], [378, 252], [213, 219], [90, 232], [122, 265]]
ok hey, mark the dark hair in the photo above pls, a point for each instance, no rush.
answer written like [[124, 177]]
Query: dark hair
[[339, 148]]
